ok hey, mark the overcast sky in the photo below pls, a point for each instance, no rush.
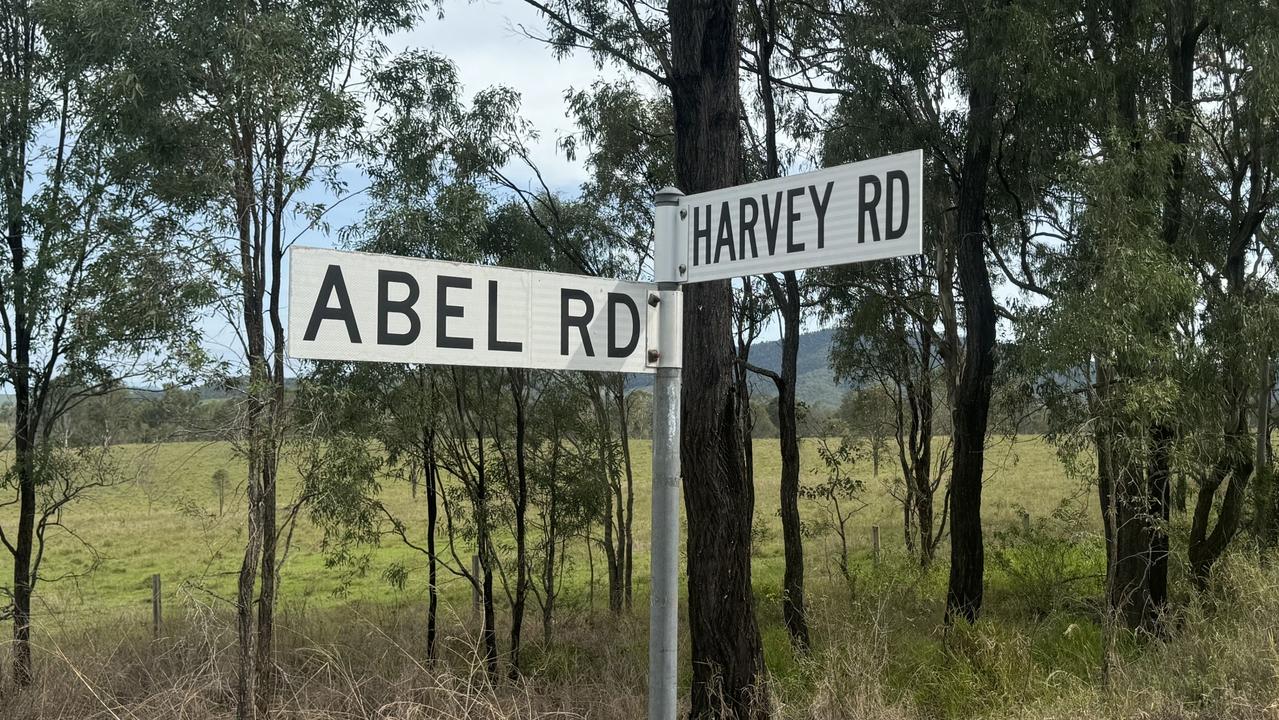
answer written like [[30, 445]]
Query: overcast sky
[[483, 38]]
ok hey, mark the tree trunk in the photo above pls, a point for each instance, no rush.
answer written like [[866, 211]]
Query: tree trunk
[[274, 433], [972, 392], [1159, 487], [793, 609], [265, 687], [548, 566], [251, 289], [786, 294], [430, 476], [613, 514], [490, 616], [519, 394], [24, 436], [628, 536], [484, 547], [727, 655], [1265, 490]]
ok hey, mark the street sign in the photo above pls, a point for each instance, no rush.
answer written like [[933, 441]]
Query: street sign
[[385, 308], [866, 210]]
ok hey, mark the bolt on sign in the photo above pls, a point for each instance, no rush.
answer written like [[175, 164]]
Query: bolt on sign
[[866, 210], [386, 308]]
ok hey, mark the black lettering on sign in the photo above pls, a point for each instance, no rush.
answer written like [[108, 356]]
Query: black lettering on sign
[[746, 227], [444, 311], [386, 306], [725, 237], [701, 235], [581, 322], [819, 206], [771, 221], [615, 350], [868, 207], [494, 343], [895, 177], [332, 284], [792, 216]]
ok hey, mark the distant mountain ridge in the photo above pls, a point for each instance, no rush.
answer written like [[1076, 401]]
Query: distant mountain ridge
[[816, 386]]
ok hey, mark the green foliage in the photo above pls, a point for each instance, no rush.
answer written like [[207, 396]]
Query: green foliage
[[340, 484], [1051, 561]]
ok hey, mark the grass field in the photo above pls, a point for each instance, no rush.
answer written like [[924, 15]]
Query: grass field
[[165, 520], [348, 640]]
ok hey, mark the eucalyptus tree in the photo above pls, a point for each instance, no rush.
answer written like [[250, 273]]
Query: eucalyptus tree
[[248, 105], [762, 30], [886, 345], [1155, 263], [966, 82], [728, 660], [561, 457], [472, 505], [101, 284], [623, 137], [446, 185], [1222, 186], [391, 407]]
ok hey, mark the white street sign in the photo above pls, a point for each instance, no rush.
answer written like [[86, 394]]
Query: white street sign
[[851, 213], [385, 308]]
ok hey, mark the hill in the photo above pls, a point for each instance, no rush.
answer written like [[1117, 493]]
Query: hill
[[816, 387]]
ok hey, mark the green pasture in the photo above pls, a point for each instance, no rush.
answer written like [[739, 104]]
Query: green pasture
[[163, 518]]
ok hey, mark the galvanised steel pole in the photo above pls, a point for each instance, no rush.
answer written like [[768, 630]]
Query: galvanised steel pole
[[663, 632]]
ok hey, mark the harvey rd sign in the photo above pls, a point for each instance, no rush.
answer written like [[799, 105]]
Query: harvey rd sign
[[850, 213], [385, 308]]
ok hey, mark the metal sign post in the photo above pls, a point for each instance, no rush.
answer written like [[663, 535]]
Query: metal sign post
[[663, 627]]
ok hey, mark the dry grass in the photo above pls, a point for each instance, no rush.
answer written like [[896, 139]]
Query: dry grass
[[332, 666], [879, 650], [879, 654]]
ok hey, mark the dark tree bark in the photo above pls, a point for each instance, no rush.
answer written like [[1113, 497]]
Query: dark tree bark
[[1159, 480], [243, 144], [628, 535], [727, 654], [786, 294], [430, 475], [614, 520], [1134, 491], [274, 432], [24, 437], [1264, 492], [972, 392], [484, 542], [519, 393]]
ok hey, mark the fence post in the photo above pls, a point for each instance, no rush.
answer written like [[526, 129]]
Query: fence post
[[874, 542], [157, 616]]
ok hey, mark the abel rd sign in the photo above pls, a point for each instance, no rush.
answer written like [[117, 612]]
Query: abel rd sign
[[385, 308], [866, 210]]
